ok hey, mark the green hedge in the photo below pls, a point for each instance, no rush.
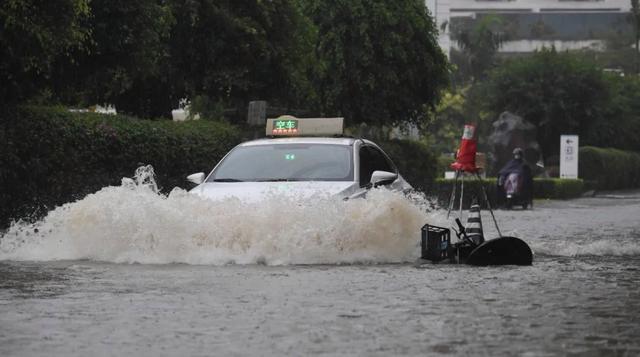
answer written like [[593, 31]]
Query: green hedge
[[50, 156], [608, 168], [542, 188], [415, 161], [557, 188]]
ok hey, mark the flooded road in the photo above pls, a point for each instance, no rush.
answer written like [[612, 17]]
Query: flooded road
[[580, 297]]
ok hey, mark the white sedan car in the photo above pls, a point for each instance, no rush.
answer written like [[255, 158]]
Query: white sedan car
[[300, 166]]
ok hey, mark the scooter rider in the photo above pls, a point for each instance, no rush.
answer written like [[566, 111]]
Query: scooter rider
[[516, 178]]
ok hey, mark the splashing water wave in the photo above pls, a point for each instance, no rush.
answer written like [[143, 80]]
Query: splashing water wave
[[133, 223], [618, 246]]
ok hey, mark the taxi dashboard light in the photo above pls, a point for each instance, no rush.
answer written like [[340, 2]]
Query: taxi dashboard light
[[288, 125]]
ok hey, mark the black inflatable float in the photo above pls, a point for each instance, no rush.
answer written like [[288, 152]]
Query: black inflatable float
[[436, 246], [501, 251]]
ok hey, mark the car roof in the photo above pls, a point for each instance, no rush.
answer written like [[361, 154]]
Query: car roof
[[302, 140]]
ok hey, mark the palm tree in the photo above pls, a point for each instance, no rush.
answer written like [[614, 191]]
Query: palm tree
[[481, 43]]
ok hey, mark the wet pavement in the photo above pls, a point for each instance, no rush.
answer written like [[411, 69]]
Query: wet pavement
[[580, 298]]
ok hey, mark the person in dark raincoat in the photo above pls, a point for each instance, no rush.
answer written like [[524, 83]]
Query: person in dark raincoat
[[515, 182]]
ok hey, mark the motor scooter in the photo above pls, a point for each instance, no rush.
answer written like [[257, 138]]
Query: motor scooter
[[513, 190]]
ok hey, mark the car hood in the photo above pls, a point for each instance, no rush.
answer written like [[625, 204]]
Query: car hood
[[257, 191]]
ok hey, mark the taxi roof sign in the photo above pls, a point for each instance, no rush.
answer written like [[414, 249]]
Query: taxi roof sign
[[288, 125]]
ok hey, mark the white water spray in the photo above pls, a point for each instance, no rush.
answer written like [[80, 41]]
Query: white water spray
[[133, 223]]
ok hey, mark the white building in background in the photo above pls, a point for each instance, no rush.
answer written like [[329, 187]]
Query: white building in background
[[565, 24]]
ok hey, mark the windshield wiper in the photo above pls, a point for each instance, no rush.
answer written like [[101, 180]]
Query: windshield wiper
[[227, 180], [278, 180]]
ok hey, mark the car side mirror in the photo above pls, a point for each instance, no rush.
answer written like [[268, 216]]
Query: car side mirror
[[382, 178], [196, 178]]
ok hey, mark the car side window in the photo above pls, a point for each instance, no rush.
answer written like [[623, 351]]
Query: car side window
[[372, 159]]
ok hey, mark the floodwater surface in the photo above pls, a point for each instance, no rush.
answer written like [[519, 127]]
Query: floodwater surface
[[128, 271]]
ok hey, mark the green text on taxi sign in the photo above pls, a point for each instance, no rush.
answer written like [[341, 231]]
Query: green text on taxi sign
[[285, 124]]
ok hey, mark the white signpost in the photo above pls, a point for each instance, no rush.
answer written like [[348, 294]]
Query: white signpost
[[569, 156]]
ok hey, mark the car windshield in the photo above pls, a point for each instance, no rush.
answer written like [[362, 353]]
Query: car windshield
[[286, 162]]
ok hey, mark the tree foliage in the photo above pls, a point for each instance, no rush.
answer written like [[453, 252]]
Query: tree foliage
[[620, 122], [369, 60], [479, 42], [33, 35], [447, 121], [144, 55], [127, 60], [378, 61], [457, 107], [563, 93], [236, 51]]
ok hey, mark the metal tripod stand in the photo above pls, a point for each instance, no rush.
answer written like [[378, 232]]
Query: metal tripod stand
[[460, 174]]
